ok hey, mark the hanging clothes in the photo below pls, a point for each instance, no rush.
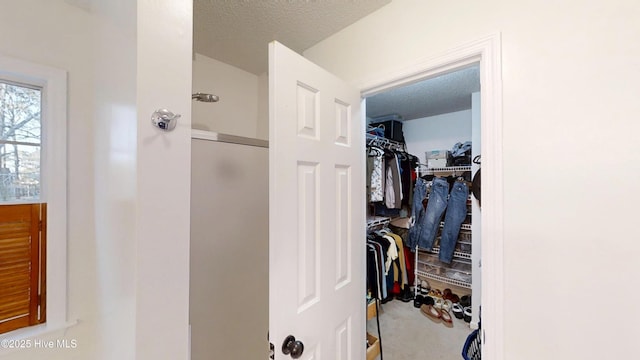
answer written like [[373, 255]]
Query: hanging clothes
[[417, 212], [375, 166], [400, 273], [394, 164], [455, 215], [389, 179], [374, 278], [378, 262], [389, 191], [427, 219]]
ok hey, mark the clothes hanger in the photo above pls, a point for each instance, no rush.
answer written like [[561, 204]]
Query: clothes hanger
[[375, 151]]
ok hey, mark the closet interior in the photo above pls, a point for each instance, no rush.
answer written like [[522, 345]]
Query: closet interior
[[423, 220]]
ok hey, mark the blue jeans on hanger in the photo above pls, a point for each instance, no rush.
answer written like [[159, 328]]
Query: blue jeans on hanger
[[456, 213], [419, 193], [435, 208]]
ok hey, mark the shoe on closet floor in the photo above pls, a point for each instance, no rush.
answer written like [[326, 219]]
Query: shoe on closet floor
[[431, 312], [405, 295], [438, 303], [424, 287], [454, 298], [467, 314], [446, 318], [446, 293], [435, 293], [428, 300], [418, 301], [446, 305], [458, 311]]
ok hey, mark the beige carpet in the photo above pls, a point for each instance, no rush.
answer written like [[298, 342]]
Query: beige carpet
[[409, 335]]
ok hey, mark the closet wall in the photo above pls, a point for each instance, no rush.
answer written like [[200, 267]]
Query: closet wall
[[229, 279], [438, 132], [237, 111]]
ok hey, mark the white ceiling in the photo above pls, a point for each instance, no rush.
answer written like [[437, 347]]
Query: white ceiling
[[438, 95], [237, 32]]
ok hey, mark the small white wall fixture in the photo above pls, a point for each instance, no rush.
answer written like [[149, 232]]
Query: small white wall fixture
[[487, 52]]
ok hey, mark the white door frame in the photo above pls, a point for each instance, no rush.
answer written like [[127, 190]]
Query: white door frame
[[487, 52]]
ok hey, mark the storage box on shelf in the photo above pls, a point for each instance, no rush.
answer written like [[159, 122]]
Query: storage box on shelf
[[392, 125], [371, 310], [373, 347], [437, 158]]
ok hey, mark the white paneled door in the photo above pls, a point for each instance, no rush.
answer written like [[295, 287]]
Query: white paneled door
[[316, 210]]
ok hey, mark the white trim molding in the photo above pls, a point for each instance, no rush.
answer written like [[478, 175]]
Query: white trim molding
[[53, 169], [487, 52]]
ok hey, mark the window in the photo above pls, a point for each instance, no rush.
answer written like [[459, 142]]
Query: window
[[22, 238], [32, 198], [20, 110]]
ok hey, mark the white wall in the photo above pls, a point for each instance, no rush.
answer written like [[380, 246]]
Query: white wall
[[127, 267], [570, 81], [163, 179], [439, 132], [114, 143], [237, 111], [28, 31]]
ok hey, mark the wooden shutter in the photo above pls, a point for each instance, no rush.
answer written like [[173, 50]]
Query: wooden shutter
[[22, 265]]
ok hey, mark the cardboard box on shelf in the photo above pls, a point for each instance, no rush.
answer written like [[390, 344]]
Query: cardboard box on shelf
[[373, 347], [437, 158], [371, 310]]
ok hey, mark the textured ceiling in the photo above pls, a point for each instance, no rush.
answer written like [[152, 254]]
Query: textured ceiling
[[438, 95], [237, 32]]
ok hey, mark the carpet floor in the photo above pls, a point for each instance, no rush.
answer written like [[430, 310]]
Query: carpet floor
[[407, 334]]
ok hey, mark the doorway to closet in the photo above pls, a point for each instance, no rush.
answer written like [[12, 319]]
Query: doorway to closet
[[416, 132]]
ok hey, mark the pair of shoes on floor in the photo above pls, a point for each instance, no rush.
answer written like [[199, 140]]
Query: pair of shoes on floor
[[424, 287], [442, 304], [435, 293], [437, 315], [447, 294], [423, 300], [418, 301], [458, 311], [467, 314], [405, 295]]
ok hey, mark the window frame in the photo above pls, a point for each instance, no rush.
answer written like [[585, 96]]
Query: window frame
[[53, 184]]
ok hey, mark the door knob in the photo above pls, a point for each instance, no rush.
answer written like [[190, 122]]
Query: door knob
[[292, 346], [164, 119]]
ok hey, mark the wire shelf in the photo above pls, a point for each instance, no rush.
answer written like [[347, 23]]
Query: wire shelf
[[444, 279], [377, 221], [373, 140], [458, 254], [425, 170], [465, 227]]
